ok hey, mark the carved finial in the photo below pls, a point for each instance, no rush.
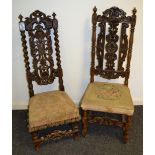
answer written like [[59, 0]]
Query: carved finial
[[20, 17], [54, 15], [94, 9], [134, 11]]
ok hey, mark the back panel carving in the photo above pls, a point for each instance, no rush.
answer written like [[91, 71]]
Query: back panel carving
[[112, 47], [123, 47], [40, 28]]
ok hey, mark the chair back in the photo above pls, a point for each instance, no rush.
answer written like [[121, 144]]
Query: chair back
[[112, 47], [37, 31]]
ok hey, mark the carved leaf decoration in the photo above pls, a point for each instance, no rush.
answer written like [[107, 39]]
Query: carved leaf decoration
[[38, 26], [100, 45], [108, 53], [123, 46], [114, 12], [111, 47]]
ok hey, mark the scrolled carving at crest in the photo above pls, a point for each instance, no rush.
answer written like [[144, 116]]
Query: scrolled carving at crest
[[38, 17], [114, 12]]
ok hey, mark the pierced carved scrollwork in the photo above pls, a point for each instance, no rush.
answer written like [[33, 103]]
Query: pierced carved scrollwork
[[123, 46], [38, 17], [106, 121], [111, 46], [112, 74], [58, 134], [111, 49], [100, 45], [114, 12], [108, 53], [38, 26], [54, 135]]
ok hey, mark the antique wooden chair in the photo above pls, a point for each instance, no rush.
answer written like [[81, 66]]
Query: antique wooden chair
[[52, 108], [113, 56]]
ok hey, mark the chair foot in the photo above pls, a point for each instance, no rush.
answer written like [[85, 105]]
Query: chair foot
[[125, 135], [37, 142], [37, 146], [76, 136], [85, 123], [126, 126], [75, 127]]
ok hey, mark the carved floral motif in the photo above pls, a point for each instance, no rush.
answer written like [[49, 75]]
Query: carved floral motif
[[112, 48]]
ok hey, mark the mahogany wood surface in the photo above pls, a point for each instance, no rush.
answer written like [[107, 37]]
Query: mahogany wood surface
[[112, 61]]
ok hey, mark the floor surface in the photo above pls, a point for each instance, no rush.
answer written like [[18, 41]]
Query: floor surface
[[101, 140]]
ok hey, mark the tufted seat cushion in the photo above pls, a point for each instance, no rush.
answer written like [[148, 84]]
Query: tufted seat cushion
[[108, 97], [50, 109]]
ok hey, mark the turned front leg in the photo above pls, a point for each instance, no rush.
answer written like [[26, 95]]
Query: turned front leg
[[75, 127], [85, 123], [126, 126], [36, 140]]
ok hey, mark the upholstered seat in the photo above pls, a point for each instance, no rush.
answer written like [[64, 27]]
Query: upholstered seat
[[108, 97], [110, 59], [50, 109]]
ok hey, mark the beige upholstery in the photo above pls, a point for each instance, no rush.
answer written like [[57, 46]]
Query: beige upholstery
[[50, 109], [108, 97]]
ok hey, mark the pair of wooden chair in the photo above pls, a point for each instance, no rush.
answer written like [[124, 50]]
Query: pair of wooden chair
[[54, 108]]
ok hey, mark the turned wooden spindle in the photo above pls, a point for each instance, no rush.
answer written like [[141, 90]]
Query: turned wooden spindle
[[94, 21], [85, 123], [60, 72], [133, 23], [26, 59]]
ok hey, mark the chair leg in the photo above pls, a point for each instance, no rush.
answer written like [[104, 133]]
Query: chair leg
[[75, 127], [126, 126], [37, 142], [85, 123]]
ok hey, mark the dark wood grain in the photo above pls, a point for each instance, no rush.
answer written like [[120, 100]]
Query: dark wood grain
[[111, 56], [38, 30], [107, 51]]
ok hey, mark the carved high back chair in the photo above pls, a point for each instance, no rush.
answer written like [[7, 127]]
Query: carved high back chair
[[110, 59], [50, 108]]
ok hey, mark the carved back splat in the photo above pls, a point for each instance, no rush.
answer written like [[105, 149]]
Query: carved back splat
[[110, 47], [39, 27]]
